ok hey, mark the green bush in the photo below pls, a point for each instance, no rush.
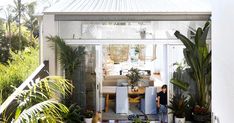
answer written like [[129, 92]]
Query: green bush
[[18, 69]]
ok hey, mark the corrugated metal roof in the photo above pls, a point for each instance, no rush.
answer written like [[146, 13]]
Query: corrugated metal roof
[[130, 6]]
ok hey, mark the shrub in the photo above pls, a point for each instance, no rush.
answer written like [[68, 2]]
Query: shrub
[[18, 69]]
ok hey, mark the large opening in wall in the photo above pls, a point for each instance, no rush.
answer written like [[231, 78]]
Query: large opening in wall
[[114, 47]]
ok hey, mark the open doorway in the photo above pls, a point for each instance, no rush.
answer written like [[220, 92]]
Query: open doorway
[[155, 63]]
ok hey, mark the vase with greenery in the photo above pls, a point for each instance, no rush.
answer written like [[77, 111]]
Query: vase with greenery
[[134, 76], [198, 58], [178, 106]]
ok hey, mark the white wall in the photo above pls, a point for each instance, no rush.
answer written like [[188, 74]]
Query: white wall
[[69, 28], [223, 60]]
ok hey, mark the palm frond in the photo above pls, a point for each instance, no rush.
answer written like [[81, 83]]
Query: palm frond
[[48, 108], [40, 101], [68, 56]]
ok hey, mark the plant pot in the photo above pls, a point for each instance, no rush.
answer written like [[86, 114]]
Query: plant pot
[[179, 120], [143, 34], [201, 117], [88, 120]]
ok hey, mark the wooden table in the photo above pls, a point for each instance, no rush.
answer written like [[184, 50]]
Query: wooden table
[[108, 90]]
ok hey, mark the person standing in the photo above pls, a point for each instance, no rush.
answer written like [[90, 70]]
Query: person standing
[[162, 104]]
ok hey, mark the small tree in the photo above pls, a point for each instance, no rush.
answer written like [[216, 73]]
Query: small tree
[[70, 58]]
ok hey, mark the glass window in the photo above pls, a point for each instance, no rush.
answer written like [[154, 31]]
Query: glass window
[[127, 30]]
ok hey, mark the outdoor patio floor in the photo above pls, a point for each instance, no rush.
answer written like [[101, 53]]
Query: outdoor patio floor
[[111, 115]]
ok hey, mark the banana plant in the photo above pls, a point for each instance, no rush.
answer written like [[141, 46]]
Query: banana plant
[[198, 59]]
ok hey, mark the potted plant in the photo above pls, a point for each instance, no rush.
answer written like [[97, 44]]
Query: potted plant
[[178, 105], [88, 116], [74, 115], [143, 33], [134, 76], [198, 59]]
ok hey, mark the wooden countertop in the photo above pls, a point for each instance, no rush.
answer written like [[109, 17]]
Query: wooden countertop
[[112, 90]]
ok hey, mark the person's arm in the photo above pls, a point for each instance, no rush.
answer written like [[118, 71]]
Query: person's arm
[[158, 102]]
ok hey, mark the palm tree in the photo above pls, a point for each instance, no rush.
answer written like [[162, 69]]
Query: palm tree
[[9, 20], [70, 58], [30, 20], [19, 10], [40, 102]]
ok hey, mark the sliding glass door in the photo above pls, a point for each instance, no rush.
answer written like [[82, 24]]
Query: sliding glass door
[[88, 77]]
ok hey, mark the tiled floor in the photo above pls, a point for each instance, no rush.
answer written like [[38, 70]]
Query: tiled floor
[[123, 118]]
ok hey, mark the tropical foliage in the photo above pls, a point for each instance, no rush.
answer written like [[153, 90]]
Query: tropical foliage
[[17, 70], [134, 75], [88, 114], [20, 30], [74, 115], [198, 59], [39, 102], [68, 56], [4, 47], [8, 43], [179, 105]]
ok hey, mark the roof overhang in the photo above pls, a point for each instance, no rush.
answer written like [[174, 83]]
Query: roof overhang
[[143, 16], [130, 10]]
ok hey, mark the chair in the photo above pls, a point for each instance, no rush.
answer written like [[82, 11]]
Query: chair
[[148, 104], [122, 105]]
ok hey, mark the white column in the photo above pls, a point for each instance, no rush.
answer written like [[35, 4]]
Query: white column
[[48, 53], [40, 18], [164, 73], [99, 77], [223, 60]]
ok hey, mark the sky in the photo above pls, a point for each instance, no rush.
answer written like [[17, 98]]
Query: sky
[[5, 2]]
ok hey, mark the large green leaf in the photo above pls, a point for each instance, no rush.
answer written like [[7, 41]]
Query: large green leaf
[[40, 101], [49, 108], [182, 85], [198, 35], [203, 37], [188, 44]]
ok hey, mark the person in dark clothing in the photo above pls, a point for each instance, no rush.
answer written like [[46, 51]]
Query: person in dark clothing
[[162, 104]]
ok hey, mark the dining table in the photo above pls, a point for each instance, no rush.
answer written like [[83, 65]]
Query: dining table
[[111, 90]]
